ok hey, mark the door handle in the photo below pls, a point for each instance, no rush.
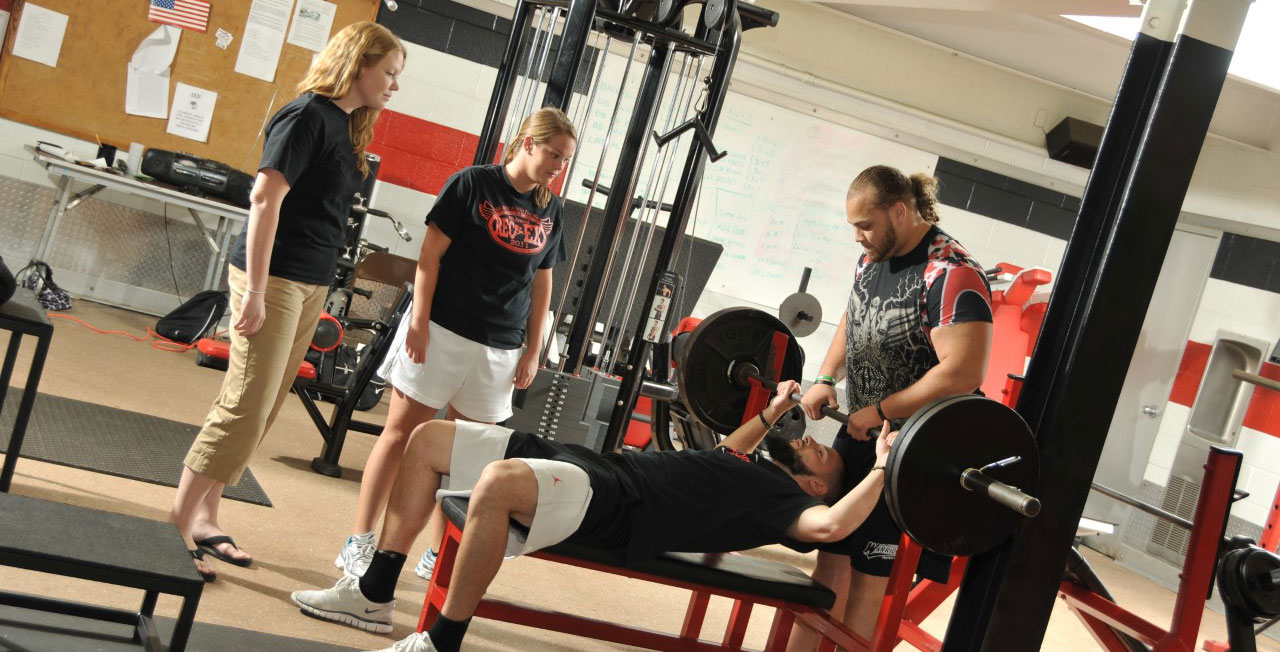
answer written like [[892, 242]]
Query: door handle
[[1151, 411]]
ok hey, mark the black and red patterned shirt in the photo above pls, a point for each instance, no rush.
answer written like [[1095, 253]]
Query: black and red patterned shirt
[[894, 307], [499, 240]]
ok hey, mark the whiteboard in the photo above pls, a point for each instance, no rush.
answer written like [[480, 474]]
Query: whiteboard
[[776, 202]]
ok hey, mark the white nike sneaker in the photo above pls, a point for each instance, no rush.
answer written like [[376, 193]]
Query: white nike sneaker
[[344, 603], [356, 554], [425, 566], [418, 642]]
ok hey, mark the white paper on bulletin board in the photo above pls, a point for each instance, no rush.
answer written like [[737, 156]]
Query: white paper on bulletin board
[[40, 34], [192, 112], [262, 38], [312, 22]]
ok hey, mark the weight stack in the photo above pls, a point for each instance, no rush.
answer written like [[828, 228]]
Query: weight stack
[[555, 406]]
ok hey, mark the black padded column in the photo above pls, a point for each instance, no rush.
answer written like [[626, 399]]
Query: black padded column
[[1094, 320]]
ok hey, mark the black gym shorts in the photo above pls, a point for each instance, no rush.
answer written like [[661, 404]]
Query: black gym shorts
[[874, 544]]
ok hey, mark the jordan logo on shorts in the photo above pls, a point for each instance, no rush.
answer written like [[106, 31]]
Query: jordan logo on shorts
[[554, 481], [516, 229]]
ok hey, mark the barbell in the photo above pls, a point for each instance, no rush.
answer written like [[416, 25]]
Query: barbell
[[954, 474]]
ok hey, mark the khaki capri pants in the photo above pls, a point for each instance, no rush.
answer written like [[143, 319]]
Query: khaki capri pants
[[259, 374]]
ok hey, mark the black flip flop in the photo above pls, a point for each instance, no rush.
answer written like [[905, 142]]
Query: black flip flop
[[199, 554], [207, 546]]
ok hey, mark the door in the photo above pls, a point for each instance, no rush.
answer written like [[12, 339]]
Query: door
[[1150, 379]]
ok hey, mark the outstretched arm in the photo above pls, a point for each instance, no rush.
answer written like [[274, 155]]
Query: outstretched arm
[[822, 524], [749, 435]]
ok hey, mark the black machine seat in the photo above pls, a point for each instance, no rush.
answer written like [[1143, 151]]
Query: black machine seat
[[757, 577]]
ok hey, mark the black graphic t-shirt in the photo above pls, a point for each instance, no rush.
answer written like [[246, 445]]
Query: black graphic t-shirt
[[499, 239], [714, 500], [895, 305], [307, 141]]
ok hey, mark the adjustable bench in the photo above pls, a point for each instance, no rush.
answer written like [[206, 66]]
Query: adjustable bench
[[745, 580], [102, 547]]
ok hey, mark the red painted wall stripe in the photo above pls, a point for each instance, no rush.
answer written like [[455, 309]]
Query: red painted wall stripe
[[421, 154], [1263, 413], [1264, 409], [1185, 385]]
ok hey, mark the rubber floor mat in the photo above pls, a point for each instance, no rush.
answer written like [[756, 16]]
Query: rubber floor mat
[[111, 441]]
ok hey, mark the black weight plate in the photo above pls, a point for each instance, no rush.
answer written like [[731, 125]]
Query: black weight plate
[[1261, 596], [922, 475], [1230, 584], [791, 424], [725, 339]]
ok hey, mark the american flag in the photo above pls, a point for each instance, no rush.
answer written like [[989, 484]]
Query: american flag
[[187, 14]]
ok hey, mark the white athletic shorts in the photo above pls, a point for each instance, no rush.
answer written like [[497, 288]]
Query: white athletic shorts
[[474, 378], [564, 490]]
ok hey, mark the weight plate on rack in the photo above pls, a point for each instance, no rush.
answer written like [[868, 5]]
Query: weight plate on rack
[[722, 341], [801, 312], [922, 475]]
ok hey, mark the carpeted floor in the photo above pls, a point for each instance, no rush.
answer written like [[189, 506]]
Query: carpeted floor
[[295, 542]]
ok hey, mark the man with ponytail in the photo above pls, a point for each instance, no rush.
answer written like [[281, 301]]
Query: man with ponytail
[[479, 315], [280, 270], [917, 328]]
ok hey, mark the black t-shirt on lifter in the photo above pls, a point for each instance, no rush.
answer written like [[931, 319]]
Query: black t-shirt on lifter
[[307, 141], [682, 501], [499, 239], [716, 500]]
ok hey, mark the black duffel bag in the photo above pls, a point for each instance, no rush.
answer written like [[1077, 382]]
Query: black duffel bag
[[195, 318]]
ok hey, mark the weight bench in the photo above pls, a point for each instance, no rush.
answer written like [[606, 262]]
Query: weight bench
[[103, 547], [745, 580]]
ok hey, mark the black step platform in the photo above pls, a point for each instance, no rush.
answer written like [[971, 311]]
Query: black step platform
[[105, 547]]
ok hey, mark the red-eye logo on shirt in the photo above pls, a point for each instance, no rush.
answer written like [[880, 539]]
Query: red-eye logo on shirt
[[516, 229]]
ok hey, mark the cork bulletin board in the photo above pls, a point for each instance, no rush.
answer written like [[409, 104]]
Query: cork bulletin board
[[84, 96]]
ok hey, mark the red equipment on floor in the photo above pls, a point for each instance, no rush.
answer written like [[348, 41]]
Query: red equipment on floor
[[220, 351], [215, 353]]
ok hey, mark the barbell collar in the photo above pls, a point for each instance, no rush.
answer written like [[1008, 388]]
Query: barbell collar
[[659, 391], [1009, 496]]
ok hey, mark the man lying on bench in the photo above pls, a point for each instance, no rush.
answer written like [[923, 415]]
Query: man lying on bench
[[720, 500]]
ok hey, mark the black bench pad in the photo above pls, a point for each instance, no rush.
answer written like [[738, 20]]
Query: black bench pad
[[757, 577]]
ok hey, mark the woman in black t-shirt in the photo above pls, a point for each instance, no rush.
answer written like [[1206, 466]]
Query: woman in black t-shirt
[[481, 292], [312, 164]]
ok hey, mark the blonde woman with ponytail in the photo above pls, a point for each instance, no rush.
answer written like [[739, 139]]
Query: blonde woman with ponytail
[[481, 295], [312, 164]]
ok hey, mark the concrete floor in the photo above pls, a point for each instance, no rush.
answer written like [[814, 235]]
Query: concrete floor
[[294, 543]]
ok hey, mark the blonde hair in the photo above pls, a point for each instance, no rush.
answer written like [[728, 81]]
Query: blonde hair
[[541, 126], [891, 185], [356, 47]]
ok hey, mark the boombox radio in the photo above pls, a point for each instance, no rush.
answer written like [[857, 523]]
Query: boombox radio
[[198, 176]]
